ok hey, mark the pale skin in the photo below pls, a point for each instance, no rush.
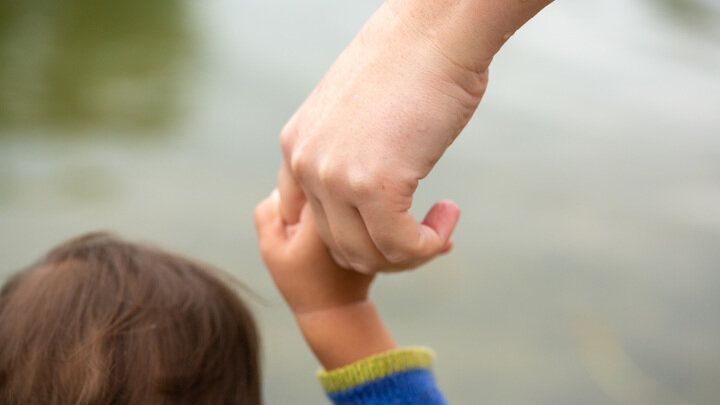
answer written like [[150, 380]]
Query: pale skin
[[379, 120]]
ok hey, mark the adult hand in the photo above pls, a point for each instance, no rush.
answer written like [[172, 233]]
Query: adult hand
[[381, 118]]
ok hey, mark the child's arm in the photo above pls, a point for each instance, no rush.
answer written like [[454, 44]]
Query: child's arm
[[339, 322], [330, 304]]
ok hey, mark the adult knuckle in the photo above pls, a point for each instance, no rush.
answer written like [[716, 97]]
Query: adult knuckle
[[288, 135], [364, 182], [329, 173], [361, 185], [300, 163]]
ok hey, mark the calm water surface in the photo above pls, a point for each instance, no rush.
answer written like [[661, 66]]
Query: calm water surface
[[587, 259]]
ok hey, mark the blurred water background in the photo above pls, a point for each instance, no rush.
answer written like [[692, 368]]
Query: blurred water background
[[586, 266]]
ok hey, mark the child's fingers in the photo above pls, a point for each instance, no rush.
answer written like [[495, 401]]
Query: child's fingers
[[265, 212], [269, 224]]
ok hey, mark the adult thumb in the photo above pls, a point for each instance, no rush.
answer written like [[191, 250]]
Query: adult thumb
[[292, 197], [442, 218]]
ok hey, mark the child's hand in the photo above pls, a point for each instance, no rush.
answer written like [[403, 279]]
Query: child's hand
[[331, 306], [300, 263]]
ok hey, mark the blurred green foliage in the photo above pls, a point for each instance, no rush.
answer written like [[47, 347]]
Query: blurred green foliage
[[688, 11], [84, 63]]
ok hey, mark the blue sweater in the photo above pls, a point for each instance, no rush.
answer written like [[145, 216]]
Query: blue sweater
[[397, 377]]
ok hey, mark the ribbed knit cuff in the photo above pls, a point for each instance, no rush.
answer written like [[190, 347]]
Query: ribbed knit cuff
[[376, 367]]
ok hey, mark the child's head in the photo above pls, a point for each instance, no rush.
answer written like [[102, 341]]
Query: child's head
[[103, 321]]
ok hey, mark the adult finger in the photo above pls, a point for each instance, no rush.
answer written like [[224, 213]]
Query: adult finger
[[292, 197], [309, 230], [401, 239], [352, 239], [323, 229], [307, 234], [443, 217]]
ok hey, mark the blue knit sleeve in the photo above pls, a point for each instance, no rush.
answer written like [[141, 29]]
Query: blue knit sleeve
[[399, 377]]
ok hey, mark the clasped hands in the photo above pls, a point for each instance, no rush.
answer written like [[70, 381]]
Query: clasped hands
[[381, 118]]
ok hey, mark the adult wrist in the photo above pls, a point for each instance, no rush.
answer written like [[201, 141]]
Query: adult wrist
[[468, 32], [404, 35], [446, 24]]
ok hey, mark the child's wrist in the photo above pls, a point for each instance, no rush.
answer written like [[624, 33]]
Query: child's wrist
[[326, 304], [342, 335]]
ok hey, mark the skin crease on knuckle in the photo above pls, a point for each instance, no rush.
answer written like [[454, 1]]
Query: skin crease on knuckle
[[348, 185]]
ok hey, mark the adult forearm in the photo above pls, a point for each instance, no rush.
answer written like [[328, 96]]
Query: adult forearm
[[468, 32]]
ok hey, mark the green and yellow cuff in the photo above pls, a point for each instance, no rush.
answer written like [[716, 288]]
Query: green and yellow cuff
[[376, 367]]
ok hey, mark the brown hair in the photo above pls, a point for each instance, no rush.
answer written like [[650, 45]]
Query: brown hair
[[103, 321]]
